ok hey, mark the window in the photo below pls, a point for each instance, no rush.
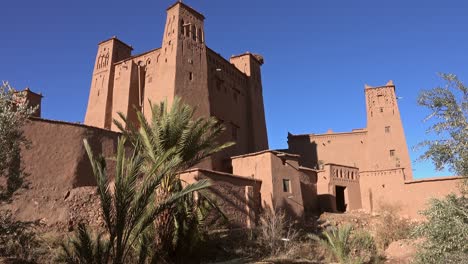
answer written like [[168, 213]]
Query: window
[[194, 32], [200, 36], [182, 27], [190, 76], [392, 152], [387, 129], [234, 131], [381, 109], [286, 186]]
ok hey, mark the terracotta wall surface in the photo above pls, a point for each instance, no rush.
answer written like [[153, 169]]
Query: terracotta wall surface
[[33, 100], [285, 168], [237, 196], [379, 146], [185, 67], [382, 188], [99, 110], [319, 149], [276, 169], [56, 163], [257, 167], [338, 175], [387, 148]]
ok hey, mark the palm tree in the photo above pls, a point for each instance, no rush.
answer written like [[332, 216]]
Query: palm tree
[[191, 139], [337, 242], [129, 211]]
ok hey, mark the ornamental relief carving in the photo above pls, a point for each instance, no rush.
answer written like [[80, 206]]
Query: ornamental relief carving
[[103, 59], [380, 97]]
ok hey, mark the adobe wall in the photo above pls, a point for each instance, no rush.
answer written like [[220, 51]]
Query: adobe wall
[[237, 196], [132, 78], [383, 188], [56, 163], [250, 64], [293, 201], [272, 168], [228, 90], [338, 175], [185, 67], [323, 148], [99, 110], [257, 167], [386, 137]]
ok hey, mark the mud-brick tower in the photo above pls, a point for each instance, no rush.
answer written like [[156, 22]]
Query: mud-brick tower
[[387, 147], [99, 111], [181, 68], [250, 65], [184, 67]]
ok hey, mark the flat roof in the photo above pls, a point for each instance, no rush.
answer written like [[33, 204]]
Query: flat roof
[[260, 61], [435, 179], [277, 153], [32, 118], [115, 38], [136, 56], [355, 131], [200, 15], [222, 173], [346, 166], [29, 91]]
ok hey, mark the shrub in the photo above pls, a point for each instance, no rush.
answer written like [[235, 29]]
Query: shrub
[[446, 231], [345, 246], [17, 239], [391, 227], [276, 233], [336, 242], [363, 248], [14, 113]]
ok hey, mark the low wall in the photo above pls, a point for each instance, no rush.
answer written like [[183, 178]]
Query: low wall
[[55, 163], [237, 196], [389, 188]]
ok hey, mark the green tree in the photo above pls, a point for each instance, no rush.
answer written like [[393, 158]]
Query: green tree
[[446, 228], [194, 139], [129, 210], [149, 199], [445, 231], [14, 113], [448, 107]]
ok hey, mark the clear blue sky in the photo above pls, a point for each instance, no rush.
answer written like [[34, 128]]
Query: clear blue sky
[[318, 53]]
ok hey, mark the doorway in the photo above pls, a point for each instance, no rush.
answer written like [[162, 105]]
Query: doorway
[[340, 198]]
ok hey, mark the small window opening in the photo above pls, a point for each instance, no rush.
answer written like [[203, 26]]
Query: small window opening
[[392, 152], [199, 35], [187, 30], [381, 109], [234, 132], [190, 76], [387, 129], [286, 186], [194, 32]]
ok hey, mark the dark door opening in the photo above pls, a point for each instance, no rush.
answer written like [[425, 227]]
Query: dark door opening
[[340, 199]]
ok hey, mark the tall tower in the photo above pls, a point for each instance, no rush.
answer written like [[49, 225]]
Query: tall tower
[[181, 68], [387, 147], [99, 111], [250, 65]]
